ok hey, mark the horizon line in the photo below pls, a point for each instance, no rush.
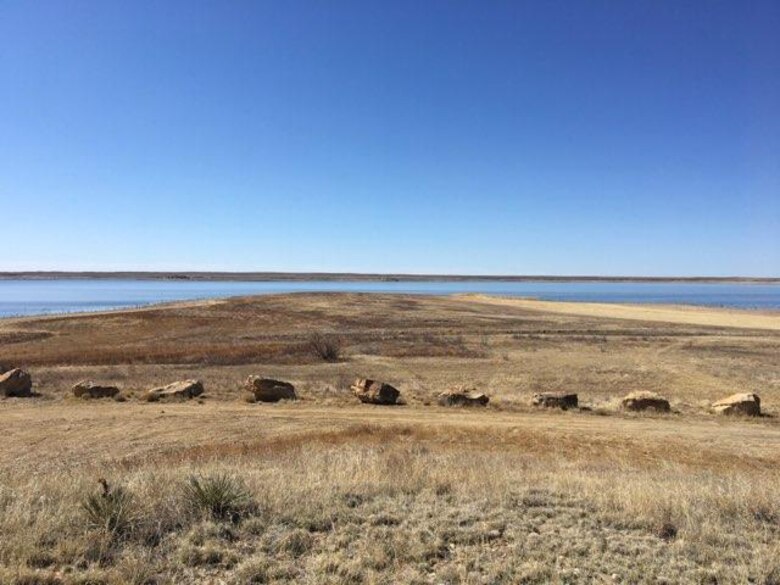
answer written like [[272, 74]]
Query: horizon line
[[346, 275]]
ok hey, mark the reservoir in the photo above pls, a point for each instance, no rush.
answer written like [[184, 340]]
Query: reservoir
[[38, 297]]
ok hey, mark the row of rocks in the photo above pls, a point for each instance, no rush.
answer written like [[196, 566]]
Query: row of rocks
[[747, 404], [16, 382], [261, 389], [181, 390], [375, 392]]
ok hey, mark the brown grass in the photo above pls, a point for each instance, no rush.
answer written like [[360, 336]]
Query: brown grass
[[339, 492], [424, 344], [401, 504]]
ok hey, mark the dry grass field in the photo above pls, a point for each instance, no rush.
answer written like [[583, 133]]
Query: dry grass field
[[327, 490]]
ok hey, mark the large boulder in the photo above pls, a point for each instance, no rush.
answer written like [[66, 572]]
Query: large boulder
[[268, 390], [463, 397], [89, 389], [644, 400], [373, 392], [748, 404], [181, 390], [15, 382], [564, 400]]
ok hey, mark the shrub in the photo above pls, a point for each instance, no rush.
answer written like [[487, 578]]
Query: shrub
[[220, 496], [110, 509], [325, 347]]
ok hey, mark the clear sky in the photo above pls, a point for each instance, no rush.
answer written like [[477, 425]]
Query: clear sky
[[615, 138]]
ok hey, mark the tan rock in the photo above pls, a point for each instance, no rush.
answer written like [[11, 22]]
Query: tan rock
[[373, 392], [268, 390], [564, 400], [181, 390], [644, 400], [15, 382], [89, 389], [747, 404], [463, 397]]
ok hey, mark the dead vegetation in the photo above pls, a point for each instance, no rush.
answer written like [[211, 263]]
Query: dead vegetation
[[422, 344], [324, 346], [394, 507], [325, 490]]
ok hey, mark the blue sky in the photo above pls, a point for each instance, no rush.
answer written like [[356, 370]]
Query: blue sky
[[615, 138]]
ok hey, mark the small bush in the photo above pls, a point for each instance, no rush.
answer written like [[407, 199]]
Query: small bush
[[325, 347], [220, 496], [110, 510]]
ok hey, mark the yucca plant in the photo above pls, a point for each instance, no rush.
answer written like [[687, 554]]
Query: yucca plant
[[110, 509], [220, 496]]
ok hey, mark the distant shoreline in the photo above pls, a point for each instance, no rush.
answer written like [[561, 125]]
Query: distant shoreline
[[365, 277], [733, 317]]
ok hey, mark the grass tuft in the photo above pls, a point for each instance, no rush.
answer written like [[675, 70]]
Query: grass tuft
[[110, 509], [220, 496]]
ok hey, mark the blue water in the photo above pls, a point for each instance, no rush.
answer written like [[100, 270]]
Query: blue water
[[36, 297]]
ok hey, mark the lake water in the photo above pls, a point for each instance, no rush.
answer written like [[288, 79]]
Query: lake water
[[36, 297]]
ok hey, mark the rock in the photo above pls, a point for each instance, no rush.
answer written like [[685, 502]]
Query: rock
[[463, 397], [15, 382], [645, 401], [562, 400], [268, 390], [181, 390], [373, 392], [747, 404], [88, 389]]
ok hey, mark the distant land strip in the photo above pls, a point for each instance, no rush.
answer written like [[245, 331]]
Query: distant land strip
[[365, 277]]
